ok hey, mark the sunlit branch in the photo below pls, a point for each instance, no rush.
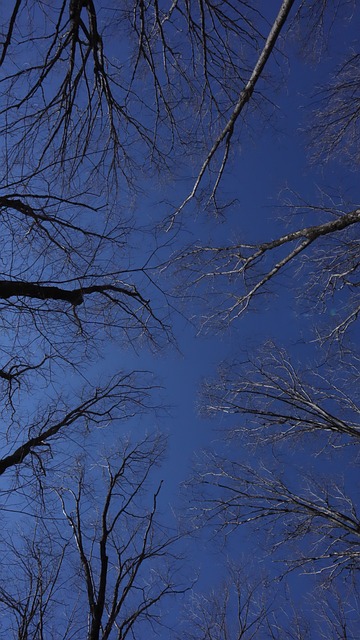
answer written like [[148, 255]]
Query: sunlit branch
[[245, 95], [274, 402], [242, 262], [321, 515]]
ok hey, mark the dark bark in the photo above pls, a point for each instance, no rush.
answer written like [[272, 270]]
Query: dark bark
[[20, 288], [10, 289]]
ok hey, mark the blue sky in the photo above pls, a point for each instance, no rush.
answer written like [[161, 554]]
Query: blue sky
[[269, 163]]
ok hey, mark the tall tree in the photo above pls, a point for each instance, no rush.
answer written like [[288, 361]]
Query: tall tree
[[87, 127], [285, 466], [104, 564]]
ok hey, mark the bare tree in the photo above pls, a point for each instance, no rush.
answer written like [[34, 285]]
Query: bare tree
[[112, 569], [224, 139], [335, 130], [239, 607], [314, 520], [35, 443], [71, 118], [337, 613], [287, 471], [241, 272], [314, 23], [85, 126], [88, 97], [82, 123], [273, 401], [247, 604], [32, 584]]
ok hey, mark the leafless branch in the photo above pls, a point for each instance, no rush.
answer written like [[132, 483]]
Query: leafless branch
[[245, 95], [118, 399], [275, 402], [319, 514], [253, 266]]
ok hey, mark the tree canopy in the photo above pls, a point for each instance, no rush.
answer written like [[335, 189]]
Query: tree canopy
[[125, 225]]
